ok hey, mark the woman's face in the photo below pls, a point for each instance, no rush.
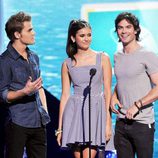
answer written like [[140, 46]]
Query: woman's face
[[83, 38]]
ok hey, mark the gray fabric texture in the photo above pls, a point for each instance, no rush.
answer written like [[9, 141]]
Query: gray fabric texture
[[133, 83], [76, 113]]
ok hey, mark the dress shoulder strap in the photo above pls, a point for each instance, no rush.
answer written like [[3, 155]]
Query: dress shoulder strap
[[99, 54], [68, 63]]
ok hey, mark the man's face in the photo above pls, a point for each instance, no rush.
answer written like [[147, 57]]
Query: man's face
[[27, 34], [126, 32]]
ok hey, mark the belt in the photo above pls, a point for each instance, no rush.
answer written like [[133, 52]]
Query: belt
[[130, 122], [126, 121]]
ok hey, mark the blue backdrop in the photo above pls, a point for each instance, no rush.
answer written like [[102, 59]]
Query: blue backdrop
[[51, 19]]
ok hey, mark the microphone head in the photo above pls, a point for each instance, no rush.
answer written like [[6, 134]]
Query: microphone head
[[92, 72]]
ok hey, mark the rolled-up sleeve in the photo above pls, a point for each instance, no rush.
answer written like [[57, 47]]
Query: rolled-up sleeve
[[5, 79]]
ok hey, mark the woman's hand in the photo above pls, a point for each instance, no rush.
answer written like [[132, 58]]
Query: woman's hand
[[108, 132], [59, 136]]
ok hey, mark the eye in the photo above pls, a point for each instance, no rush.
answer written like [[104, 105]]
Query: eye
[[89, 35], [31, 29], [119, 27], [82, 35], [129, 26]]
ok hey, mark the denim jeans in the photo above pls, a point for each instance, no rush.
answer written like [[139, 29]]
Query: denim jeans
[[132, 138]]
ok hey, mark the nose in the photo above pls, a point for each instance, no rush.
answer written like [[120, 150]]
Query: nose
[[124, 30], [33, 32], [87, 38]]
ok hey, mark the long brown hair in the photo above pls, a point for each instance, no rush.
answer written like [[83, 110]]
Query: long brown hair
[[74, 26]]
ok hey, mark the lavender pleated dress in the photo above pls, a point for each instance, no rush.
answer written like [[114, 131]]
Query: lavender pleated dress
[[76, 113]]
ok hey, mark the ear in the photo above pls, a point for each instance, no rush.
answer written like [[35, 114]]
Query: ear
[[135, 32], [17, 35], [73, 39]]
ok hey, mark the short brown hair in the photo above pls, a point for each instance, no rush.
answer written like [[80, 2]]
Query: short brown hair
[[132, 19], [15, 23]]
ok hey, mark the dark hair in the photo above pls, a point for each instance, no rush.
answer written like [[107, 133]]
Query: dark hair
[[15, 23], [132, 19], [74, 26]]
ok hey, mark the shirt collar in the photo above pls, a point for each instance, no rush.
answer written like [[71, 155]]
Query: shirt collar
[[15, 55]]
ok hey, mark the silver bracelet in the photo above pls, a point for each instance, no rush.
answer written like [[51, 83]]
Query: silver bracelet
[[58, 131]]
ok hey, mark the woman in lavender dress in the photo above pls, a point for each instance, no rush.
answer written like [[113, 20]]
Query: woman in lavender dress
[[73, 128]]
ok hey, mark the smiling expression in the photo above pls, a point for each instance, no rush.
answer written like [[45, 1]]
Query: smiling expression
[[126, 32]]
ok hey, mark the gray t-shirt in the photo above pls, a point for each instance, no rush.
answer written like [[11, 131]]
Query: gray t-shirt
[[133, 83]]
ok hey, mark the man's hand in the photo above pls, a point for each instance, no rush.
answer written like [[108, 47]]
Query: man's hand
[[115, 102], [32, 87], [131, 112]]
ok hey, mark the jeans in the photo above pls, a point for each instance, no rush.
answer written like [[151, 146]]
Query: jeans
[[132, 138], [17, 137]]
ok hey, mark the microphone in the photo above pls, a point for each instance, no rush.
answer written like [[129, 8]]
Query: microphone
[[92, 72]]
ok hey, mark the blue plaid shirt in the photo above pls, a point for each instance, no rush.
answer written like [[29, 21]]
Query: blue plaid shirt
[[14, 73]]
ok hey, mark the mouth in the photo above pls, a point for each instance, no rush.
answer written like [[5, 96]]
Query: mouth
[[124, 37], [86, 43]]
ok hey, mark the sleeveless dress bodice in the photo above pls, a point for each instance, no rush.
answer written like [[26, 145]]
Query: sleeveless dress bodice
[[76, 112]]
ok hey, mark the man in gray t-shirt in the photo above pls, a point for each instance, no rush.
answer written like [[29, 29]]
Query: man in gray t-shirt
[[136, 70]]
